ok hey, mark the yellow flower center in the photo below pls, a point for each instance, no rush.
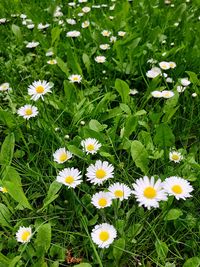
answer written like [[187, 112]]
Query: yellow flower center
[[175, 157], [119, 193], [100, 174], [177, 189], [104, 236], [69, 179], [51, 62], [150, 192], [39, 89], [25, 235], [4, 190], [102, 202], [90, 147], [75, 78], [29, 111], [63, 157]]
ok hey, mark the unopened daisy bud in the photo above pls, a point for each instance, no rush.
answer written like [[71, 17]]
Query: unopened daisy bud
[[194, 94], [67, 136], [82, 123]]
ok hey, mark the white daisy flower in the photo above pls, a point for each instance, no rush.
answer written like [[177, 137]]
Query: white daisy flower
[[5, 87], [101, 200], [104, 46], [80, 14], [75, 78], [30, 26], [120, 191], [71, 21], [103, 235], [178, 187], [106, 33], [180, 89], [99, 172], [24, 234], [113, 39], [121, 33], [73, 34], [27, 111], [72, 4], [100, 59], [61, 155], [70, 177], [49, 53], [3, 20], [42, 26], [164, 65], [23, 16], [148, 192], [175, 156], [90, 145], [172, 64], [86, 9], [169, 80], [156, 94], [3, 189], [154, 72], [52, 61], [38, 89], [167, 94], [185, 82], [82, 1], [133, 92], [32, 44], [85, 24], [194, 94]]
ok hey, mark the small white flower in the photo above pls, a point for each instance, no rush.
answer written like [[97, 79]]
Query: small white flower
[[5, 87], [103, 235], [172, 64], [148, 192], [176, 23], [49, 53], [156, 94], [73, 34], [180, 89], [24, 234], [32, 44], [85, 24], [100, 59], [3, 190], [106, 33], [120, 191], [72, 4], [42, 26], [27, 111], [30, 26], [2, 20], [23, 16], [52, 61], [86, 9], [75, 78], [111, 17], [101, 200], [164, 65], [80, 14], [99, 172], [90, 145], [154, 72], [175, 156], [70, 177], [113, 39], [178, 187], [194, 94], [38, 89], [71, 21], [167, 94], [169, 80], [104, 46], [121, 33], [185, 82], [133, 92], [61, 155], [82, 1]]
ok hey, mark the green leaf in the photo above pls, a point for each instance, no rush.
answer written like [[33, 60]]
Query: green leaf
[[123, 89], [7, 150], [55, 35], [173, 214], [96, 126], [4, 215], [7, 118], [193, 77], [52, 194], [69, 91], [76, 151], [140, 156], [164, 136], [17, 32], [4, 260], [12, 182], [161, 249], [192, 262], [14, 261], [130, 125], [83, 265], [118, 247], [86, 61], [43, 238], [73, 60], [62, 65]]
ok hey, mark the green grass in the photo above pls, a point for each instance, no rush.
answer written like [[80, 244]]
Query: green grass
[[61, 218]]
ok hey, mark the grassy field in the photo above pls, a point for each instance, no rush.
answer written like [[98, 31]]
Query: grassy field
[[96, 98]]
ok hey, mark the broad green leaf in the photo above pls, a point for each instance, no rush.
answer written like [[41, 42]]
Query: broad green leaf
[[69, 91], [17, 32], [76, 151], [192, 262], [4, 260], [161, 249], [12, 182], [55, 34], [86, 61], [72, 59], [7, 118], [7, 150], [193, 77], [173, 214], [83, 265], [43, 238], [140, 156], [130, 125], [140, 112], [14, 261], [4, 215], [52, 194], [118, 247], [96, 126], [62, 65], [123, 90], [164, 136]]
